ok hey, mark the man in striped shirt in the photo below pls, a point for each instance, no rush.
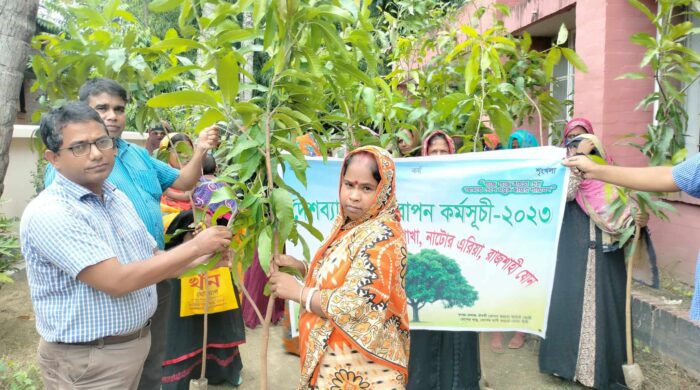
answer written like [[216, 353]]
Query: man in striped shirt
[[143, 179], [91, 263]]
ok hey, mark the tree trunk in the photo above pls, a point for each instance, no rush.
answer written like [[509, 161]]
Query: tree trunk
[[414, 307], [17, 29]]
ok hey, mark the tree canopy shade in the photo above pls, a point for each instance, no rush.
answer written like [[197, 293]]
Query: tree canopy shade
[[434, 277]]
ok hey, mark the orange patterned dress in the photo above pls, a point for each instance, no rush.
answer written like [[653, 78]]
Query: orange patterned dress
[[360, 270]]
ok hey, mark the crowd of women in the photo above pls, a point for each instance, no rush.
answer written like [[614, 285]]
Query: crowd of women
[[353, 328]]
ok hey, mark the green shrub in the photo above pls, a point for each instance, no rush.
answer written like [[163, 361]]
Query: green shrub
[[14, 376], [9, 249]]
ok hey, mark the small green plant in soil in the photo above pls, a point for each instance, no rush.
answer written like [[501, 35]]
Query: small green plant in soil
[[14, 376], [9, 249]]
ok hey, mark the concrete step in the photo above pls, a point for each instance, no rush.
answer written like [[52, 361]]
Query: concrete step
[[665, 326]]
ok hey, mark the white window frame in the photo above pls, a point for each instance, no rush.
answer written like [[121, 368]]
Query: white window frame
[[569, 78], [692, 101]]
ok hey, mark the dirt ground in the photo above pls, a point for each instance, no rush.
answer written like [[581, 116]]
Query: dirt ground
[[513, 369]]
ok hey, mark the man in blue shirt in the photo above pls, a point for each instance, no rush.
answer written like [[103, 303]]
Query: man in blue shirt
[[683, 177], [91, 263], [143, 179]]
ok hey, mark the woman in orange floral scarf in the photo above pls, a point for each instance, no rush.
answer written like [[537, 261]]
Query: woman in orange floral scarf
[[354, 331]]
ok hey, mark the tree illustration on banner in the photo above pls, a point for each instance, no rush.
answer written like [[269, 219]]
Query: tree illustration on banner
[[434, 277]]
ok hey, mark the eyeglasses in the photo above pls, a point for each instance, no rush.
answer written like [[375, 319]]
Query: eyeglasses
[[83, 148]]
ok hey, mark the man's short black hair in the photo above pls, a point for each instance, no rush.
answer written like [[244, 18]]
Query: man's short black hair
[[52, 124], [99, 85], [161, 126], [208, 165]]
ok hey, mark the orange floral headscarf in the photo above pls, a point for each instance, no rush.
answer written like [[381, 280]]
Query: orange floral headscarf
[[308, 145], [360, 270]]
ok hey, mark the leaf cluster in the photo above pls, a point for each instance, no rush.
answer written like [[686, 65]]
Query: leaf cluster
[[10, 254], [318, 57], [674, 67], [348, 74], [473, 79], [101, 39], [14, 376]]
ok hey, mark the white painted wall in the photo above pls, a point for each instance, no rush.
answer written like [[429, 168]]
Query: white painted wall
[[19, 189]]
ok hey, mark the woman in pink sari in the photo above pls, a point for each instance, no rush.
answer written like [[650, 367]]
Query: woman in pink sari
[[585, 339]]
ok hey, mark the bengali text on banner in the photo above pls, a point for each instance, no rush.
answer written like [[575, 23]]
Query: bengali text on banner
[[481, 228]]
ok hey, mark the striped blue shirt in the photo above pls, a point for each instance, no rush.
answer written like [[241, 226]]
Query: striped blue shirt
[[66, 229], [687, 178], [143, 179]]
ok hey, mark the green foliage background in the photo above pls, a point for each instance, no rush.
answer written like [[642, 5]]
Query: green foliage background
[[351, 73], [10, 253], [674, 68], [14, 376]]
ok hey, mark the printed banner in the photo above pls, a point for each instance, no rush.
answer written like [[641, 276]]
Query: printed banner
[[219, 286], [482, 232]]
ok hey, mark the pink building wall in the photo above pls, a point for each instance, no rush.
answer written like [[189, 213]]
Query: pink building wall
[[603, 30], [602, 41], [526, 12], [676, 242]]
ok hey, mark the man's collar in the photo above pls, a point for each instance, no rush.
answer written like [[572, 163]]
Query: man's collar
[[122, 146], [78, 191]]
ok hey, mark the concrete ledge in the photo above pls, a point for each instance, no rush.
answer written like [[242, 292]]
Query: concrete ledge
[[667, 329], [26, 131]]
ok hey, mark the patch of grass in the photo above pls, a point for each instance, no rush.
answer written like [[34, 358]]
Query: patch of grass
[[671, 283], [10, 253], [14, 376], [660, 373]]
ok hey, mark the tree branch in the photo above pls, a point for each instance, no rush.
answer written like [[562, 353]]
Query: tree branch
[[252, 302], [539, 114]]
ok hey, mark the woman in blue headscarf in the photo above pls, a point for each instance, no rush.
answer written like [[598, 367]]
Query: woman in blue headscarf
[[522, 139]]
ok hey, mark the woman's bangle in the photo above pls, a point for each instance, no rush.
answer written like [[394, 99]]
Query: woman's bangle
[[301, 294], [306, 267], [310, 295]]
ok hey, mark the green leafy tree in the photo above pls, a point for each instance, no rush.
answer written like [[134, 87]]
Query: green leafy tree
[[319, 56], [157, 23], [313, 56], [674, 68], [103, 39], [15, 376], [10, 253], [434, 277], [465, 80]]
